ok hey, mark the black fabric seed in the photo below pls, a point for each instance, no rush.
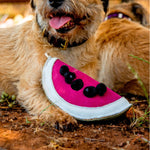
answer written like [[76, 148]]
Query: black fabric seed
[[101, 89], [69, 77], [90, 91], [64, 69], [77, 84]]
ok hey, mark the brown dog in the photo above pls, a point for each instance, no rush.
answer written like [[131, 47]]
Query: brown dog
[[119, 39], [22, 50]]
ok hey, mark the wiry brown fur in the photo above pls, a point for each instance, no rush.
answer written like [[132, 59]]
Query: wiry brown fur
[[116, 40], [22, 50]]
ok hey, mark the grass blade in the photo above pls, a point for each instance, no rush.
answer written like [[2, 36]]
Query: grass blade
[[139, 58]]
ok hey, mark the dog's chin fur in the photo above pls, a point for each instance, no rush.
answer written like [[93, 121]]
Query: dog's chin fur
[[88, 18]]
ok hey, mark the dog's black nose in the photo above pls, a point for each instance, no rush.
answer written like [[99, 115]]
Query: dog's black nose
[[56, 3]]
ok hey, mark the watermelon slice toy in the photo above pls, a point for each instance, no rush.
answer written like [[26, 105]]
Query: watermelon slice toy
[[78, 94]]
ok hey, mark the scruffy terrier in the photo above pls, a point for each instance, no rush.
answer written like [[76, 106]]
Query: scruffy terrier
[[61, 28], [123, 42]]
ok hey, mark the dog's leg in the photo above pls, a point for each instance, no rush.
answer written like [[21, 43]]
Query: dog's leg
[[31, 96]]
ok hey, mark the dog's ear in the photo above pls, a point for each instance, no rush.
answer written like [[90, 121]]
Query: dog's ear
[[105, 4], [140, 13], [32, 4]]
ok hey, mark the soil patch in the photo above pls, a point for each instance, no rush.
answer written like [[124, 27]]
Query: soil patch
[[18, 132]]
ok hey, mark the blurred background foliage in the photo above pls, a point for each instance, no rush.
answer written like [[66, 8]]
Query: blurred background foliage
[[13, 7], [19, 9]]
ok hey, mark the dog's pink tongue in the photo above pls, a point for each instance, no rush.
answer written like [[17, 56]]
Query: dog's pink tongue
[[58, 22]]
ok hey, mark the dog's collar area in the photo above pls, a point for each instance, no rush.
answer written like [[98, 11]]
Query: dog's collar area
[[62, 43], [59, 42], [117, 15]]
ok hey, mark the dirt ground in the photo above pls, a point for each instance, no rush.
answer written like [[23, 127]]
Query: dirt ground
[[18, 132]]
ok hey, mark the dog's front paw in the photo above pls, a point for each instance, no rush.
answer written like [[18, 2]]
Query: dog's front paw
[[65, 122], [59, 119], [66, 126]]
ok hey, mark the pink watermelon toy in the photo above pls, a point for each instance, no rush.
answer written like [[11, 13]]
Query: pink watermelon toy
[[78, 94]]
